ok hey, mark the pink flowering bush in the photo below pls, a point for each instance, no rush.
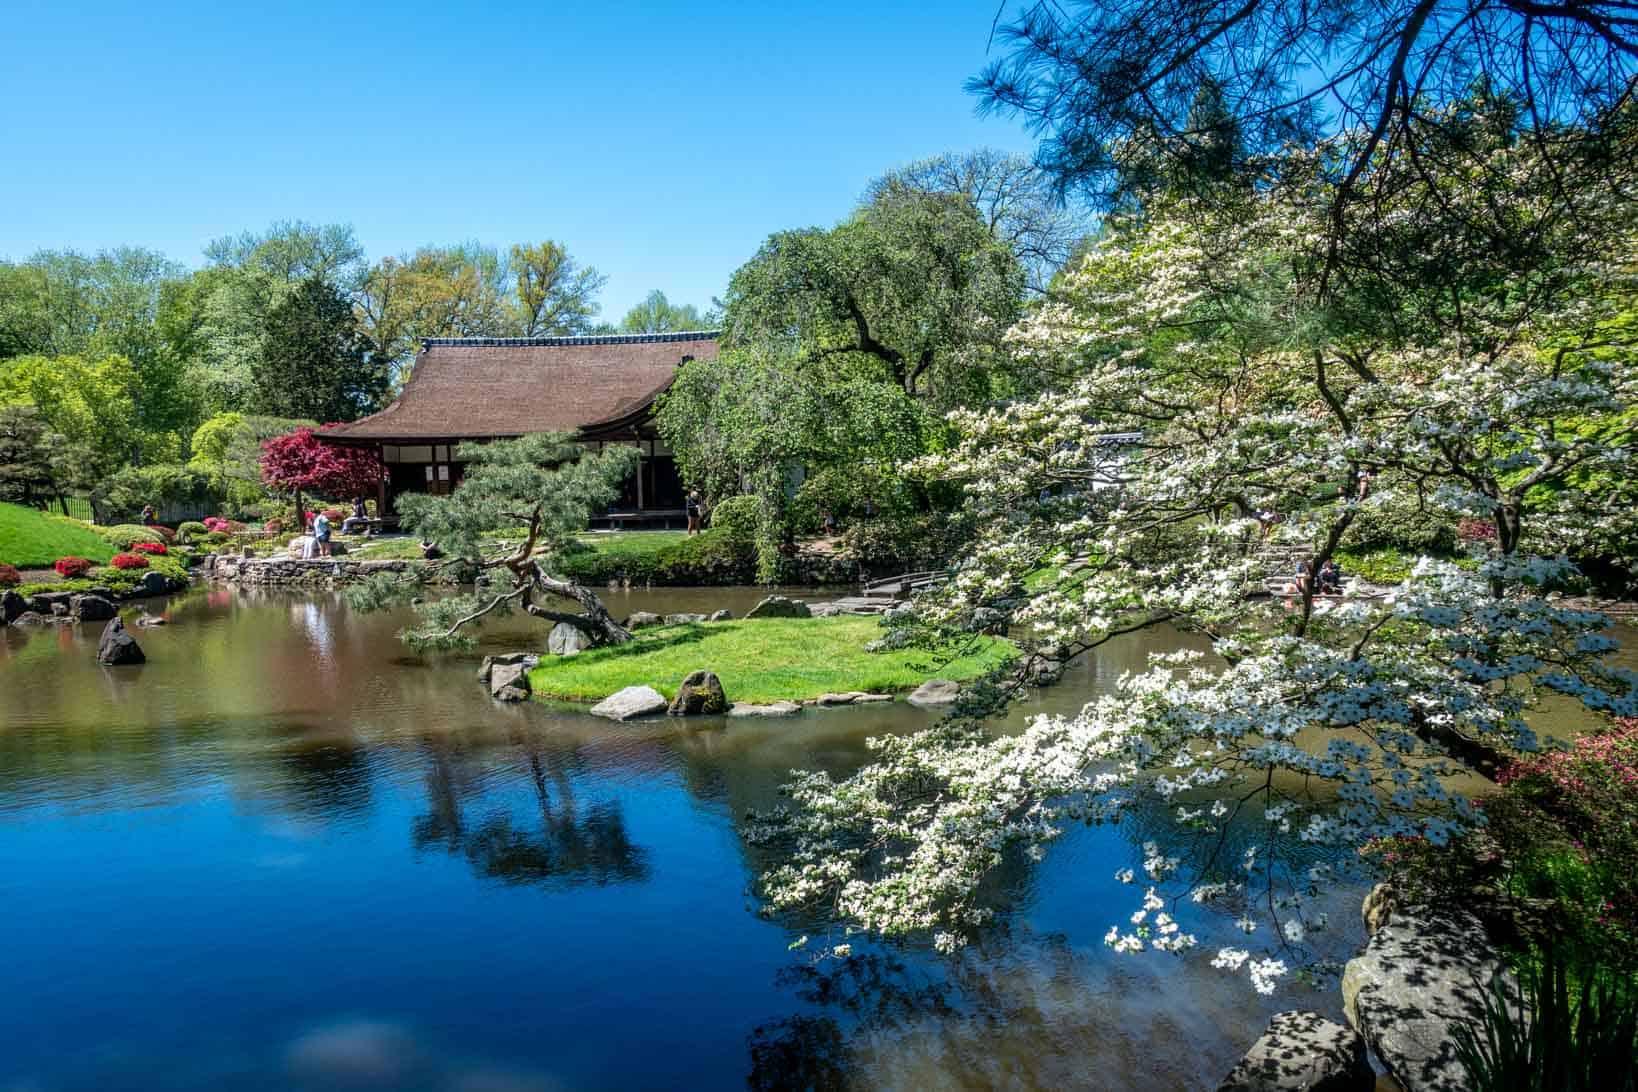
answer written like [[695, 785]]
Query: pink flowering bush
[[125, 562]]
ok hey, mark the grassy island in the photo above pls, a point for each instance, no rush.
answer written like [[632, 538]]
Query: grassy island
[[762, 660]]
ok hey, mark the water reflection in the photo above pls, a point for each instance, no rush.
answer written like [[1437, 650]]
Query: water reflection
[[558, 841]]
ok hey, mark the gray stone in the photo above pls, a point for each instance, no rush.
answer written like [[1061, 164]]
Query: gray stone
[[699, 695], [60, 610], [34, 618], [509, 682], [47, 602], [11, 606], [935, 692], [721, 616], [772, 709], [155, 584], [825, 610], [837, 699], [1303, 1052], [871, 699], [633, 701], [567, 639], [118, 647], [147, 620], [683, 618], [1420, 975], [93, 608], [779, 606], [642, 618], [527, 660]]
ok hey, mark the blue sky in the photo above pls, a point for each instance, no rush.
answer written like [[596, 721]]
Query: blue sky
[[660, 141]]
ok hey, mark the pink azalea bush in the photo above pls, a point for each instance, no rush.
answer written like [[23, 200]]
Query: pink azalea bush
[[126, 562]]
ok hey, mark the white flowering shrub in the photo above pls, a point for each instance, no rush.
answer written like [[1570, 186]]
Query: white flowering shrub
[[1256, 421]]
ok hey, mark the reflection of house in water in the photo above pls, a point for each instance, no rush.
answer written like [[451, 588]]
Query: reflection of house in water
[[602, 389]]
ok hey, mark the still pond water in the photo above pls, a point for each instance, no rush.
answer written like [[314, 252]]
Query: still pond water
[[288, 854]]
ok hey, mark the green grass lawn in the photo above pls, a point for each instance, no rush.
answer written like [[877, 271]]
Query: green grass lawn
[[31, 539], [761, 660]]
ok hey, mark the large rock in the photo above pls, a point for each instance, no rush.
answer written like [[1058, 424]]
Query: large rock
[[683, 618], [12, 606], [566, 639], [935, 692], [642, 618], [155, 584], [721, 616], [509, 682], [633, 701], [1421, 974], [118, 647], [772, 709], [779, 606], [93, 608], [825, 610], [49, 603], [699, 695], [1303, 1052], [526, 659]]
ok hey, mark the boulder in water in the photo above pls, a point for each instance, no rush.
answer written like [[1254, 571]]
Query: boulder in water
[[93, 608], [699, 695], [1303, 1052], [935, 692], [509, 682], [118, 647], [566, 639]]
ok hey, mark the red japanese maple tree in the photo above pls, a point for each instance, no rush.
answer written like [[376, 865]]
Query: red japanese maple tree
[[300, 462]]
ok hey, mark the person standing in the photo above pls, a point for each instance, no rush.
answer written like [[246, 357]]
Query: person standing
[[321, 533], [692, 507]]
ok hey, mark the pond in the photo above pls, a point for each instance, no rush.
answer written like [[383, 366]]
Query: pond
[[287, 853]]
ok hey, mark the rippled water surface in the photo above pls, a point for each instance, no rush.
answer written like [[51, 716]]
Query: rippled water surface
[[286, 853]]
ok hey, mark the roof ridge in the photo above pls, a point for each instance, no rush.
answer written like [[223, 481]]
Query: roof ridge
[[580, 339]]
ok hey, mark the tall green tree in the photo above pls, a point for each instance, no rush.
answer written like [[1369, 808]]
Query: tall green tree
[[553, 294], [32, 458], [658, 315], [314, 361]]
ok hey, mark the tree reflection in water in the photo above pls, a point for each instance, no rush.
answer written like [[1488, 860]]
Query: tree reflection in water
[[564, 843]]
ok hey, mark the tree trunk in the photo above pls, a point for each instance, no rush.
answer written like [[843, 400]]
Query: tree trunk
[[596, 622], [301, 523]]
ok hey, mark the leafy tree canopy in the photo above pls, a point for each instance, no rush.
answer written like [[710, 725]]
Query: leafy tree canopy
[[314, 361], [658, 315]]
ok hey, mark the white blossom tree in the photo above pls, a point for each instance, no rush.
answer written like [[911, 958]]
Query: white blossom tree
[[1496, 389]]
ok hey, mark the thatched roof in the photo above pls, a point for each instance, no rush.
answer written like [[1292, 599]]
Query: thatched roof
[[482, 387]]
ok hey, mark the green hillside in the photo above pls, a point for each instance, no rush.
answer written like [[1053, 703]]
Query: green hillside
[[31, 539]]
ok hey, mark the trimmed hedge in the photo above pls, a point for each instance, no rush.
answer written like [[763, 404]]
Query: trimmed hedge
[[126, 535]]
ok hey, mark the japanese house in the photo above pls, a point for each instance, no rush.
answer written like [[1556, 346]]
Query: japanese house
[[600, 388]]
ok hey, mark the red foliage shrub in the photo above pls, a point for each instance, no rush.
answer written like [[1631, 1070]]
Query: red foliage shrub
[[1469, 529], [70, 567], [150, 548], [166, 533], [9, 576], [335, 515], [129, 561], [273, 526], [302, 461]]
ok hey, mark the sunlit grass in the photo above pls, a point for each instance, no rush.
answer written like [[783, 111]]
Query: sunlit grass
[[763, 660]]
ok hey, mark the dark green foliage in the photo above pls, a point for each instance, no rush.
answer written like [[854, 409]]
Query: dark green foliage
[[1571, 1028], [1402, 528], [123, 495], [908, 540], [712, 557], [31, 454], [314, 362]]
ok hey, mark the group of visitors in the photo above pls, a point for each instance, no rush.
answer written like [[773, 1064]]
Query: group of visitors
[[1328, 581]]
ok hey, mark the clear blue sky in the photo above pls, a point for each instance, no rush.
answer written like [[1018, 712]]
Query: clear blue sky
[[660, 141]]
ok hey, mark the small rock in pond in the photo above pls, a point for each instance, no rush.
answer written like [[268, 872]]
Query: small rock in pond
[[11, 606], [1303, 1052], [118, 647], [935, 692], [509, 682], [779, 606], [633, 701], [772, 709], [699, 695], [837, 699]]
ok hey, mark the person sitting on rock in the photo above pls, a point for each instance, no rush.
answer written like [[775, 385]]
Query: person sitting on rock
[[1330, 578], [321, 533], [359, 520]]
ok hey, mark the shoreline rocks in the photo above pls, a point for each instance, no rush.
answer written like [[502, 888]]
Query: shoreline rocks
[[779, 606], [700, 694], [633, 701], [772, 709], [1303, 1052], [935, 692]]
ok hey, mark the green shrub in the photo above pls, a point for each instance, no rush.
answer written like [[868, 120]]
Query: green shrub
[[123, 494], [192, 530], [1571, 1027], [1404, 528], [1379, 566], [737, 518], [712, 557], [125, 535], [922, 541]]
